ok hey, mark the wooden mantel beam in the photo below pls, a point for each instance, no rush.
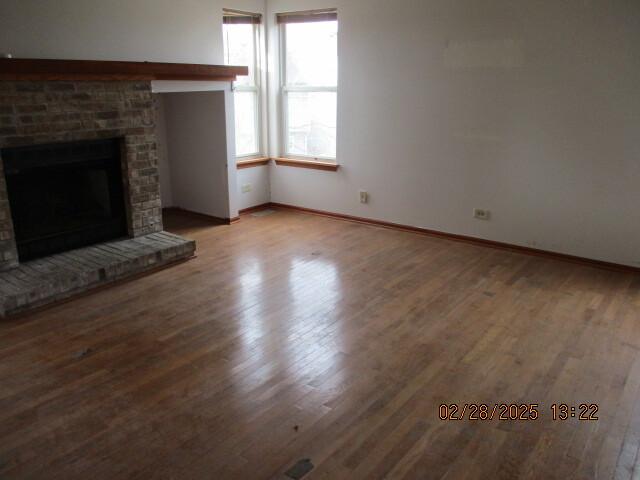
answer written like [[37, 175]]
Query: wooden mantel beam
[[47, 69]]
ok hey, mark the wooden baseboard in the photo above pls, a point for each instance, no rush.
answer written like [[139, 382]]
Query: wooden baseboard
[[255, 208], [463, 238], [202, 216], [425, 231]]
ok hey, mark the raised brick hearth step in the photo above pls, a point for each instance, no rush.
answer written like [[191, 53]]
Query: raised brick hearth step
[[45, 280]]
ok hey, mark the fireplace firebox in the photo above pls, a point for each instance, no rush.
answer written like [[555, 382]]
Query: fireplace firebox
[[65, 196]]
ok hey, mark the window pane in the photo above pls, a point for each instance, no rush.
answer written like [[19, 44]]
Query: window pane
[[246, 113], [311, 122], [239, 49], [312, 53]]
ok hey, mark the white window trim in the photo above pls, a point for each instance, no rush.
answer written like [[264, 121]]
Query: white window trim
[[284, 91], [256, 88]]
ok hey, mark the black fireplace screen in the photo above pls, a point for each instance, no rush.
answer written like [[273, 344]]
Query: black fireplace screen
[[65, 196]]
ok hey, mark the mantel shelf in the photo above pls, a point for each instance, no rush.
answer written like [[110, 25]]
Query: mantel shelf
[[47, 69]]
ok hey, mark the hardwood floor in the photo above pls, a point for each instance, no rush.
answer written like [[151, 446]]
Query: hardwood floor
[[294, 336]]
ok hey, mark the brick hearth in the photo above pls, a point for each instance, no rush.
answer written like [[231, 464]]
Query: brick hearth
[[53, 278]]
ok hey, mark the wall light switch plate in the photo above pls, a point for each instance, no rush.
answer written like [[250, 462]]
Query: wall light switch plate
[[246, 188]]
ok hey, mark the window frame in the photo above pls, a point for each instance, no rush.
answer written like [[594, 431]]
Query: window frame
[[255, 87], [284, 93]]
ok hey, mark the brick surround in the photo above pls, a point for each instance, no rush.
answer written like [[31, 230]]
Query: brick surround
[[38, 112]]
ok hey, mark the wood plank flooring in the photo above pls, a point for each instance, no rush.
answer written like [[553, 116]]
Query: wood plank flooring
[[294, 336]]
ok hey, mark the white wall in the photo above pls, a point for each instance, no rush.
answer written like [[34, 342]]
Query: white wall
[[135, 30], [258, 179], [199, 148], [529, 109], [200, 157]]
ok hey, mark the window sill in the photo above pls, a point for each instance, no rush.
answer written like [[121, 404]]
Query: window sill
[[312, 164], [252, 162]]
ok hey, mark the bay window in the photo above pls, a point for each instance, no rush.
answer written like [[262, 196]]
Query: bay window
[[241, 47], [309, 73]]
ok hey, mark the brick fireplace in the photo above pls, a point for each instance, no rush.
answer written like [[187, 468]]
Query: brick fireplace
[[52, 113], [43, 112]]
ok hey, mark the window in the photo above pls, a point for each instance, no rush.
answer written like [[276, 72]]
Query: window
[[241, 40], [309, 62]]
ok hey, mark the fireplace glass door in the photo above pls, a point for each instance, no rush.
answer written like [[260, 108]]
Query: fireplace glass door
[[65, 196]]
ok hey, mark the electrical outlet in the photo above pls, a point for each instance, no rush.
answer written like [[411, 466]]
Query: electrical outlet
[[246, 188], [481, 213], [364, 196]]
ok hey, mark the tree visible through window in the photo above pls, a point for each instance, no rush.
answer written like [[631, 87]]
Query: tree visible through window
[[309, 58]]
